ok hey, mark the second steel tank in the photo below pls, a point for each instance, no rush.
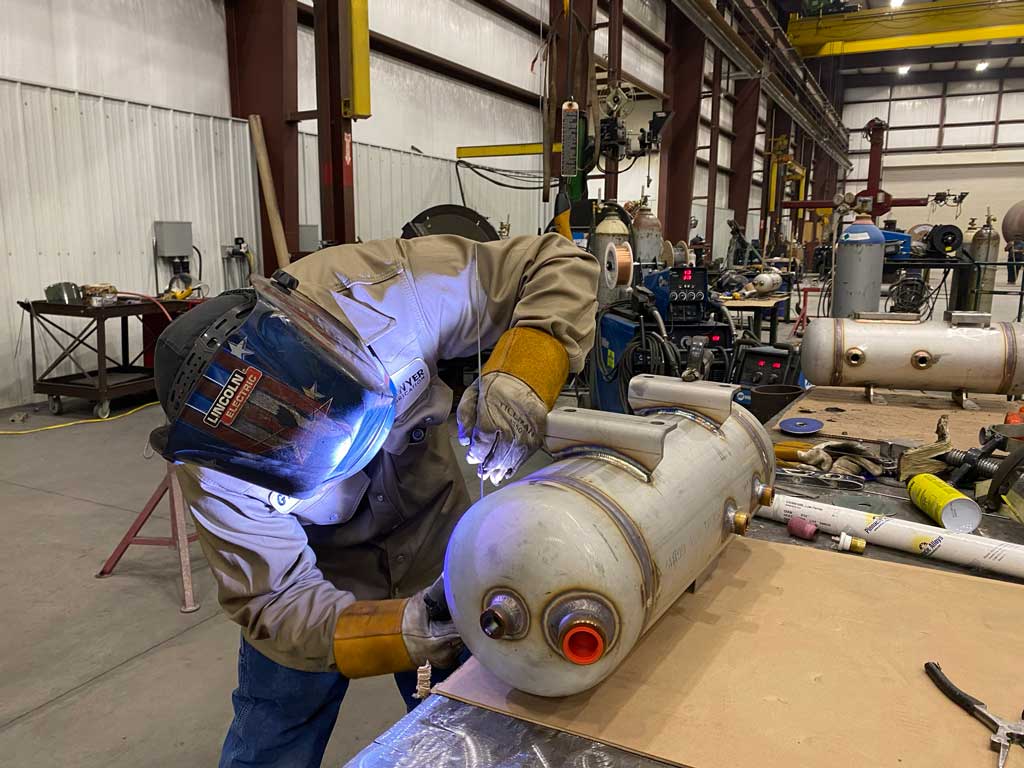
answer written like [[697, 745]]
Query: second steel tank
[[553, 579], [860, 257]]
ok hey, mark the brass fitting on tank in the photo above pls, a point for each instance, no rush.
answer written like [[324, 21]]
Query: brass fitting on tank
[[922, 359], [740, 521], [855, 356], [764, 494], [581, 627], [505, 616]]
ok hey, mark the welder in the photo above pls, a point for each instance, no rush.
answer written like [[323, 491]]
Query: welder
[[308, 425]]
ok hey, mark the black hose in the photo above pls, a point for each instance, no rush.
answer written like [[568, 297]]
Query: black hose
[[199, 254]]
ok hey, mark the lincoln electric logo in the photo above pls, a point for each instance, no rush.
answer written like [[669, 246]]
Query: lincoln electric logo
[[232, 396]]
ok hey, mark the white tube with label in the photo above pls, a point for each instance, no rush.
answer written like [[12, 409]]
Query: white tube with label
[[924, 540]]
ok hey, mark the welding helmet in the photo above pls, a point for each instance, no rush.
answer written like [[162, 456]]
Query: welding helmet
[[268, 387]]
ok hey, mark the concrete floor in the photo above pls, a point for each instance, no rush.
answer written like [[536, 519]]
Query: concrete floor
[[108, 672]]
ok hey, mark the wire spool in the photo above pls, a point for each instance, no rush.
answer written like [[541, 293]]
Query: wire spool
[[618, 265], [919, 232]]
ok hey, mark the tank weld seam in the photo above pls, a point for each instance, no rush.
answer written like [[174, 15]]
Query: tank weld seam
[[1010, 358], [837, 353], [767, 453], [630, 532], [603, 453], [697, 418]]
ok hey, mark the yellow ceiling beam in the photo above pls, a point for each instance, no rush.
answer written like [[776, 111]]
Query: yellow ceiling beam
[[913, 26]]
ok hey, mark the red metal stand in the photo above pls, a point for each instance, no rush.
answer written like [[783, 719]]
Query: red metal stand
[[179, 538], [801, 322]]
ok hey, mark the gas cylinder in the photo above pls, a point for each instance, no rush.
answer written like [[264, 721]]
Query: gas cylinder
[[552, 580], [860, 254], [610, 230], [983, 245], [647, 239], [965, 353]]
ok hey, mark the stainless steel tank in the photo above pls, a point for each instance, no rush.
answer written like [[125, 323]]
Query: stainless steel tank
[[910, 354], [857, 282], [1013, 222], [553, 579]]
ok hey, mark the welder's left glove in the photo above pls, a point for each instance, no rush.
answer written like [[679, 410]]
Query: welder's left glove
[[502, 415]]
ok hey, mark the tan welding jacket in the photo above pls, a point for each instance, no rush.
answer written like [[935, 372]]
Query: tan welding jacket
[[285, 567]]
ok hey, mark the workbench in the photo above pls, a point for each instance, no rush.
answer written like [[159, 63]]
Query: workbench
[[448, 733], [111, 377], [756, 307]]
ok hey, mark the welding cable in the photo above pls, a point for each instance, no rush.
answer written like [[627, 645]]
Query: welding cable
[[199, 254], [154, 299], [76, 423]]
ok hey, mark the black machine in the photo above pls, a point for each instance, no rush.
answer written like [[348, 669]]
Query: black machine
[[756, 365]]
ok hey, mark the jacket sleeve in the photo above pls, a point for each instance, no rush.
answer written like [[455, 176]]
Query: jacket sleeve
[[542, 282], [267, 579]]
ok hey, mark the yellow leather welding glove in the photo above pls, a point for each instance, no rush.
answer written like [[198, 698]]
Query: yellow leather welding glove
[[502, 415], [379, 637]]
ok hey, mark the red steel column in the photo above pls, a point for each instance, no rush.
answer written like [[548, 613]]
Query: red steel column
[[744, 125], [331, 29], [684, 76], [262, 43]]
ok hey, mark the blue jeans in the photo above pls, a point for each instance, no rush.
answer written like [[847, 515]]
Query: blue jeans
[[284, 717]]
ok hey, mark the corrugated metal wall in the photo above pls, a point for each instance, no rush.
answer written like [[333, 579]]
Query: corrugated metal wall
[[82, 178], [392, 186]]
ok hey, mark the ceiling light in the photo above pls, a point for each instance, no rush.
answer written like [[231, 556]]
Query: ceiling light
[[981, 66], [895, 3], [903, 69]]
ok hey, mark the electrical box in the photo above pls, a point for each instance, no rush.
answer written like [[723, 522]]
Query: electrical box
[[309, 238], [173, 239]]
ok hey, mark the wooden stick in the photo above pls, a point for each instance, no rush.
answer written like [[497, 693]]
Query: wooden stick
[[259, 144]]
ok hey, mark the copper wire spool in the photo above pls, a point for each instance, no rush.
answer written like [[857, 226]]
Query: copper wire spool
[[618, 264]]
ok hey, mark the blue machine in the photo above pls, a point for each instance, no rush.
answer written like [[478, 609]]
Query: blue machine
[[897, 244], [681, 296]]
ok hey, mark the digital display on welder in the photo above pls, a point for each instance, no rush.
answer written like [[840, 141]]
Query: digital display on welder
[[688, 284]]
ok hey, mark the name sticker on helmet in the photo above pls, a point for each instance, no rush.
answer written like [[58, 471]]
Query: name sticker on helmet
[[232, 397]]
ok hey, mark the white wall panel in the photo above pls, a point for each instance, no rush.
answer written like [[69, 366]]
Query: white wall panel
[[536, 8], [913, 112], [856, 116], [650, 13], [171, 53], [1011, 134], [1013, 106], [465, 32], [914, 91], [84, 179], [971, 109], [972, 86], [865, 94], [966, 135], [414, 107], [638, 58], [912, 137], [392, 186]]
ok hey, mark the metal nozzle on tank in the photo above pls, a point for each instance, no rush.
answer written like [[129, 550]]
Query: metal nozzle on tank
[[581, 627], [505, 616]]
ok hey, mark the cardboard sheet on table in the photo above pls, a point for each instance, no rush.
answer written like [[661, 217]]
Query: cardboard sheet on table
[[906, 414], [790, 656]]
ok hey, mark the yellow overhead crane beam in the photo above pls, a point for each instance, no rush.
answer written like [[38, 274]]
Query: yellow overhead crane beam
[[504, 150], [912, 26]]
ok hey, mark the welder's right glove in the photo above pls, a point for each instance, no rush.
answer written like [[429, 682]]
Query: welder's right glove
[[378, 637]]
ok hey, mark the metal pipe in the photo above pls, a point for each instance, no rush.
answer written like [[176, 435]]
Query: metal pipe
[[966, 549]]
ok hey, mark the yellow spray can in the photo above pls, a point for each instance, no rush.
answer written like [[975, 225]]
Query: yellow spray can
[[944, 504]]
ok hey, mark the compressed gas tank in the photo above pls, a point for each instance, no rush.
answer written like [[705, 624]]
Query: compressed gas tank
[[647, 239], [611, 230], [965, 353], [553, 579], [860, 257]]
